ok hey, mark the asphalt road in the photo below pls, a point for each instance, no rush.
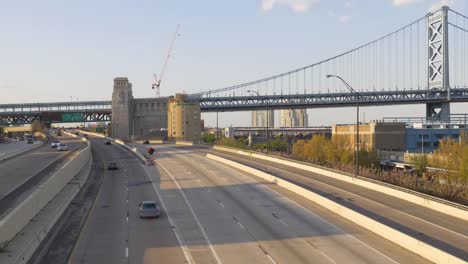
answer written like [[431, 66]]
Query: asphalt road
[[113, 231], [443, 231], [222, 215], [15, 146], [20, 174]]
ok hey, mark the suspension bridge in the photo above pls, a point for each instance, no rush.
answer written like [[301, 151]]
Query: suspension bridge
[[425, 62]]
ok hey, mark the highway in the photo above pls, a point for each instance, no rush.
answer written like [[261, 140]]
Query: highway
[[438, 229], [113, 232], [212, 213], [20, 174], [6, 149], [225, 216]]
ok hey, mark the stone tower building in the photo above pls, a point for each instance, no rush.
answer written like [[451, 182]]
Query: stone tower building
[[122, 98]]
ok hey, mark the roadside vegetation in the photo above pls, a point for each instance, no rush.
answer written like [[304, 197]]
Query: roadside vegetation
[[443, 174]]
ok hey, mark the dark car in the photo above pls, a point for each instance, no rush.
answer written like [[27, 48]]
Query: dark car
[[76, 133], [85, 136], [146, 141], [59, 134], [112, 166], [149, 209], [107, 142]]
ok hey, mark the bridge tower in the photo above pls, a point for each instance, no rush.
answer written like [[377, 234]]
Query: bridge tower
[[438, 64], [122, 114]]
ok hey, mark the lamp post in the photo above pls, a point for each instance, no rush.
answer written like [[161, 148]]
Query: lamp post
[[267, 118], [357, 119]]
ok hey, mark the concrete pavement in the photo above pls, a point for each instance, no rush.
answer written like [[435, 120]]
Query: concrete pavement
[[113, 231], [225, 216], [442, 231]]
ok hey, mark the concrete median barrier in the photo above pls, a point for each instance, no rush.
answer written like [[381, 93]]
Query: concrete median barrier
[[184, 143], [418, 247], [420, 199], [19, 217]]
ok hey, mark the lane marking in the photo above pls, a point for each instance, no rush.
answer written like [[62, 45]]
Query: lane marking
[[341, 230], [349, 193], [279, 219], [218, 260], [323, 253], [185, 251], [126, 252], [270, 258], [266, 254]]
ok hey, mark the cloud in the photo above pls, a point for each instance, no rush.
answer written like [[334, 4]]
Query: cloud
[[344, 19], [404, 2], [348, 4], [295, 5], [436, 6]]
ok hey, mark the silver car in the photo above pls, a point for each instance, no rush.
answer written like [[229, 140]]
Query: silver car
[[149, 209], [55, 144], [62, 147]]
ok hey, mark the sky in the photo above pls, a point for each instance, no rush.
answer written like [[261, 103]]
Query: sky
[[59, 50]]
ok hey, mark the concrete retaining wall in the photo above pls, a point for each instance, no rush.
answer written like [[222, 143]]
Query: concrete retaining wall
[[21, 248], [433, 203], [184, 143], [425, 250], [17, 219]]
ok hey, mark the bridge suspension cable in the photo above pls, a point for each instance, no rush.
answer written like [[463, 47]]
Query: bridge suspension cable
[[385, 63], [458, 39], [396, 61]]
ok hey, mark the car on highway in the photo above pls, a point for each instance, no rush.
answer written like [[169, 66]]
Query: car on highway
[[85, 136], [149, 209], [107, 142], [55, 143], [62, 147], [76, 133], [146, 141], [112, 166]]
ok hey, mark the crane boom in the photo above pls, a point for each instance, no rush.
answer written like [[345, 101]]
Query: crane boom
[[157, 82]]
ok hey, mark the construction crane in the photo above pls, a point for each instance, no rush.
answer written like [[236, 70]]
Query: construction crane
[[157, 82]]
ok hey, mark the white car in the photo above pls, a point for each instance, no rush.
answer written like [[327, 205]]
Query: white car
[[62, 147], [55, 143]]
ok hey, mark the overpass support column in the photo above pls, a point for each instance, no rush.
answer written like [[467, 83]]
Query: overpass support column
[[438, 64]]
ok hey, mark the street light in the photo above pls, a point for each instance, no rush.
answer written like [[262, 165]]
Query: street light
[[267, 118], [357, 119]]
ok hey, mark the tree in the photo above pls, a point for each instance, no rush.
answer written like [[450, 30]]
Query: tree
[[420, 163], [208, 138], [452, 157], [36, 126]]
